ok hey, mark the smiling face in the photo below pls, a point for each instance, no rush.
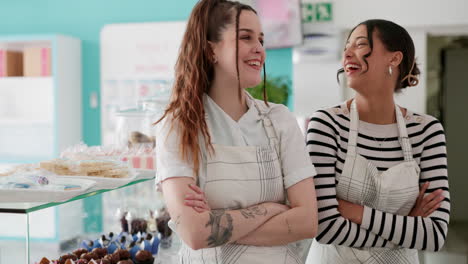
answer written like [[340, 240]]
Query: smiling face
[[251, 51], [368, 77]]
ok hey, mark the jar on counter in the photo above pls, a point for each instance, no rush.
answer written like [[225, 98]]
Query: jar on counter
[[135, 127]]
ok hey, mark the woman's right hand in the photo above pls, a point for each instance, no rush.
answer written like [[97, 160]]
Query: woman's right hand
[[425, 206], [198, 202]]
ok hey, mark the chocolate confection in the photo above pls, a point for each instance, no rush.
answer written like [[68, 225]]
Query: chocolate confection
[[149, 236], [108, 258], [132, 244], [124, 223], [105, 241], [89, 256], [113, 258], [100, 252], [138, 225], [80, 251], [105, 261], [44, 260], [123, 253], [144, 257], [64, 258], [69, 261], [126, 261], [162, 223]]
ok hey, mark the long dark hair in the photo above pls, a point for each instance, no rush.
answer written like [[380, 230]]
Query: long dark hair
[[394, 38], [194, 72]]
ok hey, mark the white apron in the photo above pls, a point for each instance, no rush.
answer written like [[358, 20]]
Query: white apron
[[362, 183], [240, 177]]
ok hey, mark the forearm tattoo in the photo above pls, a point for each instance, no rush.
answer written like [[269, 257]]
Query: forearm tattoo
[[221, 228], [253, 211]]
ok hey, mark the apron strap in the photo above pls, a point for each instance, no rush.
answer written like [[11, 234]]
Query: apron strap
[[402, 132], [267, 124], [403, 135], [353, 130]]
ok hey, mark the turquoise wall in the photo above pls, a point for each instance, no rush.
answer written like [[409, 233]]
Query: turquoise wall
[[84, 19]]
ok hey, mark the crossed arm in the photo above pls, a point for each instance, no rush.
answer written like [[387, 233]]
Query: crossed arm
[[347, 224], [297, 223], [212, 228], [266, 224]]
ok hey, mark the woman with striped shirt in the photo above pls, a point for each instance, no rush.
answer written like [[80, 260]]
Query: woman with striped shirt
[[381, 183]]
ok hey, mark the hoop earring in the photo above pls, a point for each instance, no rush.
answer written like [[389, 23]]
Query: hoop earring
[[390, 70]]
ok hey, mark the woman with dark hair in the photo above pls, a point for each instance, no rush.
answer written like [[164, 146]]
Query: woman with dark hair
[[247, 156], [382, 185]]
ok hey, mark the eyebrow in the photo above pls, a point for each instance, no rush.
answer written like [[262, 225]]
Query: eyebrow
[[360, 37], [250, 31]]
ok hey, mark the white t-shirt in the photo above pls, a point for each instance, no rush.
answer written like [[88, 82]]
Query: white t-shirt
[[247, 131]]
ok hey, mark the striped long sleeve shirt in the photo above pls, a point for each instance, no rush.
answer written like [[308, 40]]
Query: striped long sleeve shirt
[[327, 139]]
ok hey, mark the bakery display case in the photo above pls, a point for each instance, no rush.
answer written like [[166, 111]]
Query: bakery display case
[[30, 232], [65, 199], [40, 96]]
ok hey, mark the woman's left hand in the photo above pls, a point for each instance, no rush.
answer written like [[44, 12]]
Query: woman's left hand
[[197, 200], [351, 211]]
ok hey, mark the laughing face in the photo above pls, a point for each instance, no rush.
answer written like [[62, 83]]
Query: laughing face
[[251, 51], [362, 76]]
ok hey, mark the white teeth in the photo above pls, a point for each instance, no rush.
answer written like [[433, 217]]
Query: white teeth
[[353, 66], [256, 63]]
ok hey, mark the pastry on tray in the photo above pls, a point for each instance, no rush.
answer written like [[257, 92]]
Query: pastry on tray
[[96, 168]]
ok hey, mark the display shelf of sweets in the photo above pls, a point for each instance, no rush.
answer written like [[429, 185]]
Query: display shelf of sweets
[[41, 186], [31, 231], [142, 240], [139, 158], [58, 180]]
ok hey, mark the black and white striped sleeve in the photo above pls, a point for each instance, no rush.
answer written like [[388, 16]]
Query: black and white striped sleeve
[[424, 233], [322, 144]]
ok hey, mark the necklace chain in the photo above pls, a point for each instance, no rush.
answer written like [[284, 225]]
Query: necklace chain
[[380, 142]]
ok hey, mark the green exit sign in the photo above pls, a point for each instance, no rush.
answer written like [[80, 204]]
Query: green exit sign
[[317, 12]]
